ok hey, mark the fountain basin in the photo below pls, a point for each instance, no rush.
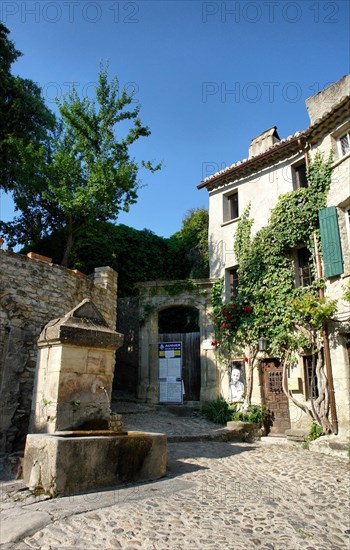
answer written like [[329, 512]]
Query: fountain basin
[[90, 433], [68, 463]]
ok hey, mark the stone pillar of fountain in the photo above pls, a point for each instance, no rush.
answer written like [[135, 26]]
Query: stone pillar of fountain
[[74, 377]]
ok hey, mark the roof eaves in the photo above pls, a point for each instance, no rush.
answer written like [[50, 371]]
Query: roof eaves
[[248, 165]]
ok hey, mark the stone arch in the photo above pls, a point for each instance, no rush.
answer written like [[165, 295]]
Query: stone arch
[[156, 298]]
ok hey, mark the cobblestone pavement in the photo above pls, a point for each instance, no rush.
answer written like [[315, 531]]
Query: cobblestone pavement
[[158, 419], [216, 495]]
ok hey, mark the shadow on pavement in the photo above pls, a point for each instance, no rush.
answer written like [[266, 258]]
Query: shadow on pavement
[[180, 454]]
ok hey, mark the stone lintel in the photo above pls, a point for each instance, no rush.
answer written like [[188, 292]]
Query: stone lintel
[[81, 336]]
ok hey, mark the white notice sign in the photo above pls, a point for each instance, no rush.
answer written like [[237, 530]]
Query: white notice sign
[[170, 372]]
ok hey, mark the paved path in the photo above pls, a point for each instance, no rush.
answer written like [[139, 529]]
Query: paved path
[[216, 495]]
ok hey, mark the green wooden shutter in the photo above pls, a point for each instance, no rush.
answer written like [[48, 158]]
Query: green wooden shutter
[[330, 240]]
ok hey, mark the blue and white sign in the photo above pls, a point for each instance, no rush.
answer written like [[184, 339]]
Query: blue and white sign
[[170, 372]]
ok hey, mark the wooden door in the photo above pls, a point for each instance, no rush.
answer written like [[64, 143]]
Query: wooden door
[[273, 396], [191, 364]]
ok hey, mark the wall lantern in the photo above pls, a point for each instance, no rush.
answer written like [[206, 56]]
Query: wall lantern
[[262, 343]]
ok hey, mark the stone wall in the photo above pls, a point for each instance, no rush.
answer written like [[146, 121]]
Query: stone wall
[[32, 292]]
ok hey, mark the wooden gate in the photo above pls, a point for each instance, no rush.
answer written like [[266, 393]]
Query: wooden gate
[[273, 396], [191, 365]]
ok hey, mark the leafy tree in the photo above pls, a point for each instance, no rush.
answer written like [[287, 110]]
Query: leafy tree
[[189, 246], [137, 255], [85, 173], [25, 119]]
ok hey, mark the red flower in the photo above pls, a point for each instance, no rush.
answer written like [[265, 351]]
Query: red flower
[[246, 359], [223, 325], [233, 307], [248, 309], [228, 317], [214, 343]]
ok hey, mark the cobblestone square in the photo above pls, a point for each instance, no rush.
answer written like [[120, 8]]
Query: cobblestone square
[[215, 495]]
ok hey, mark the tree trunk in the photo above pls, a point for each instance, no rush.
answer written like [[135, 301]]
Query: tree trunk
[[319, 407], [69, 244], [321, 404], [249, 377]]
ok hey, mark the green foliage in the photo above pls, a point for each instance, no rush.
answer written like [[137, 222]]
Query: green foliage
[[25, 119], [314, 311], [137, 255], [218, 411], [85, 173], [228, 321], [190, 245], [316, 431], [346, 289], [255, 413]]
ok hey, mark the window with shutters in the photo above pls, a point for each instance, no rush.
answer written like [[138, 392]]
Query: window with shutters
[[330, 242]]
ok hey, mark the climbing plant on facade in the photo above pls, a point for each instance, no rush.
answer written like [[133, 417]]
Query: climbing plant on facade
[[267, 282]]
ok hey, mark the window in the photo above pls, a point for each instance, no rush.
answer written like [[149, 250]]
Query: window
[[231, 211], [304, 267], [299, 175], [344, 144], [233, 282], [311, 388]]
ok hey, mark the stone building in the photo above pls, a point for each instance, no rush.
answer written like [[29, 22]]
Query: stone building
[[276, 166]]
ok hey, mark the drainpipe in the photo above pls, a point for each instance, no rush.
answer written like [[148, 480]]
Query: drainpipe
[[327, 354]]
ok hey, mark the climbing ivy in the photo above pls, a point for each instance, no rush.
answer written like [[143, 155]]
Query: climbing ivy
[[266, 268], [267, 275]]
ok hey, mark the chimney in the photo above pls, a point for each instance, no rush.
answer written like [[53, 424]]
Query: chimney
[[263, 142]]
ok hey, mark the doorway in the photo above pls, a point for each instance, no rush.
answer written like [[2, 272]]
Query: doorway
[[181, 324], [274, 397]]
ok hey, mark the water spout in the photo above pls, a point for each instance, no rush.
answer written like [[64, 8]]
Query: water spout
[[106, 393]]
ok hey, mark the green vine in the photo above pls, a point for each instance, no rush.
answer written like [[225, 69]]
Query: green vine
[[266, 276], [266, 267], [346, 289]]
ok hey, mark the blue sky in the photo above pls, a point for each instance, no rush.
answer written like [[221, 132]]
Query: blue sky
[[209, 75]]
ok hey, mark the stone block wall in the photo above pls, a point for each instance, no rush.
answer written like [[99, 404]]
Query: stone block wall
[[33, 291]]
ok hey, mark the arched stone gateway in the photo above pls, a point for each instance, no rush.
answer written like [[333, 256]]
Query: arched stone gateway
[[181, 324], [176, 312]]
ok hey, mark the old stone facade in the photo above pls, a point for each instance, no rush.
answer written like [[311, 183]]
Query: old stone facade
[[160, 296], [276, 166], [33, 291]]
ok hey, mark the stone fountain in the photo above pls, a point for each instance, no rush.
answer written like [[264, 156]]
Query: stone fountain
[[76, 445]]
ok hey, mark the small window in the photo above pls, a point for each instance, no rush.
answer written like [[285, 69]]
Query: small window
[[299, 176], [231, 210], [233, 281], [304, 267], [311, 388], [344, 144]]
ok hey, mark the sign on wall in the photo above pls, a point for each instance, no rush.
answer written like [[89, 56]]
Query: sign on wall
[[170, 372]]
